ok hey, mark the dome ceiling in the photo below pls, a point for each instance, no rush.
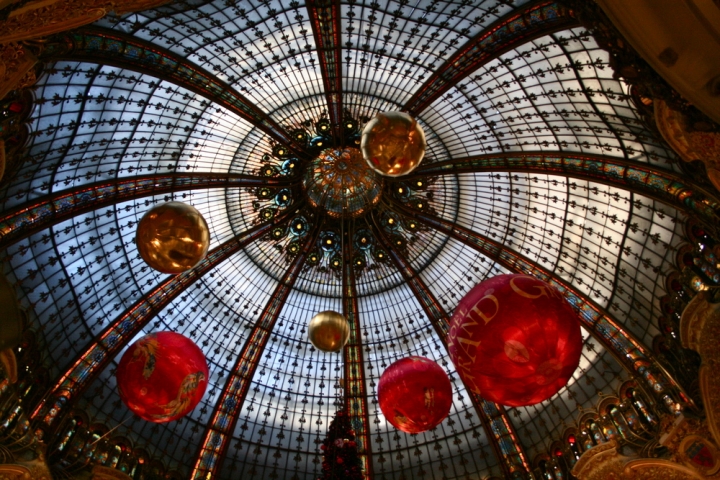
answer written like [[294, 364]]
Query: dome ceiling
[[537, 161]]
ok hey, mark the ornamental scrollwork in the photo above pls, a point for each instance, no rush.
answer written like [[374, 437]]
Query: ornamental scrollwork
[[16, 68], [690, 143], [700, 331], [41, 18]]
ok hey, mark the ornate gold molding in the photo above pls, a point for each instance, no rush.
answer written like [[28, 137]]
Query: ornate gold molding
[[16, 68], [655, 469], [688, 144], [104, 473], [689, 442], [700, 331], [41, 18], [2, 159], [44, 17], [36, 470], [600, 463], [604, 462], [9, 364], [693, 318], [14, 472]]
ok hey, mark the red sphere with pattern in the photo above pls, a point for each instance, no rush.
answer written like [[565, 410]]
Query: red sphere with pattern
[[414, 394], [515, 340], [162, 376]]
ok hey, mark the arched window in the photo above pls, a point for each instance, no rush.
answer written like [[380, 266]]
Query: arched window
[[640, 404], [114, 453], [609, 430], [596, 433], [545, 471], [573, 450], [73, 424], [586, 439], [619, 421]]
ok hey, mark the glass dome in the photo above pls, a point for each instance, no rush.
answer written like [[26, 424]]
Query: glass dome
[[538, 161]]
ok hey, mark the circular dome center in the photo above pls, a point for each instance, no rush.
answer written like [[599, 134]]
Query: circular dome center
[[340, 182]]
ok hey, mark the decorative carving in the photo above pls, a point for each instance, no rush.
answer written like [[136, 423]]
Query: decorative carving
[[603, 462], [36, 470], [14, 472], [654, 469], [2, 159], [104, 473], [688, 444], [699, 453], [40, 18], [36, 19], [689, 143], [16, 67], [693, 319], [9, 364], [700, 330]]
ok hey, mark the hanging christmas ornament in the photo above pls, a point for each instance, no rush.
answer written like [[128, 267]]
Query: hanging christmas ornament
[[162, 376], [515, 340], [414, 394], [329, 331], [172, 237], [393, 143]]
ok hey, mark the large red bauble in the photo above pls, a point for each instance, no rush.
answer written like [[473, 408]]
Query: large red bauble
[[414, 394], [515, 340], [162, 376]]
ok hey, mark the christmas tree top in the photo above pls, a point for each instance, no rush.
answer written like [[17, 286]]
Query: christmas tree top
[[340, 458]]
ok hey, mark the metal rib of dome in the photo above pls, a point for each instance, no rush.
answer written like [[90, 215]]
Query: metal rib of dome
[[537, 162]]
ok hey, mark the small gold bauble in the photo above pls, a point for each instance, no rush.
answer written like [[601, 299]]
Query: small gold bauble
[[329, 331], [172, 237], [393, 144]]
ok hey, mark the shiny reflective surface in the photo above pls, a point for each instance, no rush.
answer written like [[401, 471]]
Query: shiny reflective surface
[[414, 394], [577, 229], [162, 376], [172, 237], [515, 340], [328, 331], [341, 183], [393, 143]]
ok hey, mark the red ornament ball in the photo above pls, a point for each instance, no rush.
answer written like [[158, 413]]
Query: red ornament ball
[[162, 376], [414, 394], [515, 340]]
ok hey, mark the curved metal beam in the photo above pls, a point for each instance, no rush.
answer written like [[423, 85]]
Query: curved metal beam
[[115, 336], [662, 185], [110, 47], [354, 388], [494, 419], [622, 344], [227, 410], [533, 21], [44, 212], [325, 20]]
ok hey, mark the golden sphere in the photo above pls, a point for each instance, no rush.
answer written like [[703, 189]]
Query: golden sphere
[[172, 237], [329, 331], [393, 143]]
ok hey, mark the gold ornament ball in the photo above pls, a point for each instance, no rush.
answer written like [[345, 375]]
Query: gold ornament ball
[[172, 237], [329, 331], [393, 144]]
